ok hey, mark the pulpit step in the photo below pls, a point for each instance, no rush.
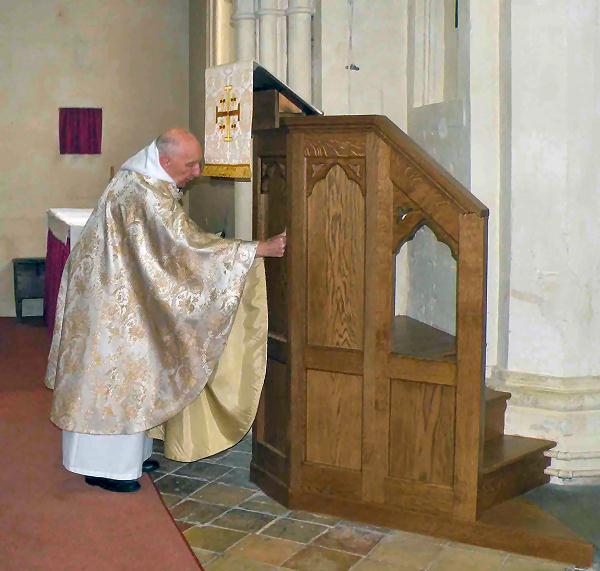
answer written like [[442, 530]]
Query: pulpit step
[[512, 465], [495, 409]]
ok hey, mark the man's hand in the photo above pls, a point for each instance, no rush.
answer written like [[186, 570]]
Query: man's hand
[[274, 247]]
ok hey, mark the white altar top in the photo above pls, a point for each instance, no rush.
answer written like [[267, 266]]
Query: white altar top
[[67, 223]]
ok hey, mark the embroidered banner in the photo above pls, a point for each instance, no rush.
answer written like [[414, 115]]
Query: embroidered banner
[[228, 123]]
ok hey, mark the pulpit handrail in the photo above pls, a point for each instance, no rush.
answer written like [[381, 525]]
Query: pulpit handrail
[[461, 197]]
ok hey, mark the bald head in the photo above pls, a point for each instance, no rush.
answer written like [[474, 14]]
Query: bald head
[[179, 153]]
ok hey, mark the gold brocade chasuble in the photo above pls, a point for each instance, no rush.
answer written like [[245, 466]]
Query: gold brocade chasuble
[[158, 321]]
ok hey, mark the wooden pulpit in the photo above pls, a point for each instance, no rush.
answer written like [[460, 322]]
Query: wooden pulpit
[[365, 414]]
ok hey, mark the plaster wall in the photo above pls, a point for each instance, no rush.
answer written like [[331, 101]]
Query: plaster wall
[[442, 128], [488, 150], [369, 36], [130, 58]]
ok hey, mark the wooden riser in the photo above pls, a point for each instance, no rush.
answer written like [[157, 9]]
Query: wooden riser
[[512, 481], [512, 465], [517, 526], [495, 409]]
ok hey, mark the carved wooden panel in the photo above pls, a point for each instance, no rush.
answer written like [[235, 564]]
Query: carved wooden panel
[[336, 253], [333, 419], [274, 215], [409, 218], [318, 169], [272, 417], [422, 432], [406, 225], [432, 200], [334, 145]]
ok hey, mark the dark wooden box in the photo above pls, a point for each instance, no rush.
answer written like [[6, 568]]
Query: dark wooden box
[[28, 280]]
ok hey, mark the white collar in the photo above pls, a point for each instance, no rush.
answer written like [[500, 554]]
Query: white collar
[[146, 163]]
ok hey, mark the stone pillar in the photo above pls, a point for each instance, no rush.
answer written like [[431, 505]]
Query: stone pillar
[[268, 19], [245, 22], [552, 366], [221, 39], [299, 15]]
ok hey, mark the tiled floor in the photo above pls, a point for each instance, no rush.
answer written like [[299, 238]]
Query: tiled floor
[[232, 526]]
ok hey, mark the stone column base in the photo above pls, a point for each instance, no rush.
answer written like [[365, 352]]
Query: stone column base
[[566, 410]]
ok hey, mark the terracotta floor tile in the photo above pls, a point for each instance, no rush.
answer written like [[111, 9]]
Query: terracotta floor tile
[[314, 518], [352, 540], [203, 470], [238, 477], [243, 520], [196, 512], [312, 558], [519, 563], [372, 565], [264, 507], [235, 563], [170, 499], [204, 556], [300, 531], [222, 494], [183, 525], [454, 559], [212, 538], [406, 554], [417, 537], [368, 527], [179, 485], [270, 550], [262, 497]]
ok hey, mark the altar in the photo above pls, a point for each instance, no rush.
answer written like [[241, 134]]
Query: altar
[[64, 228]]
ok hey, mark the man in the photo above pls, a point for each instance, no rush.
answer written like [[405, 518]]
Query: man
[[146, 304]]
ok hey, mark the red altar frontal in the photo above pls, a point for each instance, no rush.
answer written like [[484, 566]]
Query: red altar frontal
[[64, 228]]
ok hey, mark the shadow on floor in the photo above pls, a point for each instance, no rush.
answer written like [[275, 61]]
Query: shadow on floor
[[578, 507]]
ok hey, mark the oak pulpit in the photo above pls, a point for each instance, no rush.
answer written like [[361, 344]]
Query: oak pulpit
[[365, 414]]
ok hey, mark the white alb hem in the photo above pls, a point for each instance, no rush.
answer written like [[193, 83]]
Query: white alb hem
[[114, 456]]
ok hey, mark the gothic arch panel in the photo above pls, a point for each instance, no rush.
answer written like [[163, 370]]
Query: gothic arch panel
[[336, 255]]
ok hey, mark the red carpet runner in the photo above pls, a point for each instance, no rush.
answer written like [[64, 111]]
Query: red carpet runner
[[49, 519]]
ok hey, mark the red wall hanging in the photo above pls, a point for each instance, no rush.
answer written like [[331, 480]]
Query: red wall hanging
[[80, 130]]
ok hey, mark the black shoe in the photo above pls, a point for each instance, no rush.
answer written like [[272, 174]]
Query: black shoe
[[111, 485], [150, 466]]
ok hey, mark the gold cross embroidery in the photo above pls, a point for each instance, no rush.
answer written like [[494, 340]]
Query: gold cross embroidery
[[228, 113]]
